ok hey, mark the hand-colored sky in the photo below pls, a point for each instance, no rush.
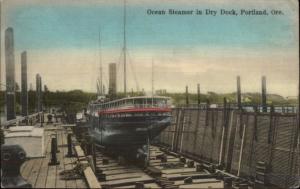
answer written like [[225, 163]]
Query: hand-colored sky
[[61, 39]]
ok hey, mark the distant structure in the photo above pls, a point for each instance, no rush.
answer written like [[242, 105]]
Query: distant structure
[[39, 93], [24, 92], [30, 87], [161, 92], [10, 74], [264, 94], [112, 87]]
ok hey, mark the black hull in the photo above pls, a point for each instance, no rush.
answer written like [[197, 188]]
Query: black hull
[[127, 131]]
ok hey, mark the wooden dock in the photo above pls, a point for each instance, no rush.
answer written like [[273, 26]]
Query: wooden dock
[[37, 172]]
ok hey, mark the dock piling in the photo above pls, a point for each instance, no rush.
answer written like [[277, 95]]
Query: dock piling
[[24, 93], [69, 143], [264, 94], [53, 160], [10, 74]]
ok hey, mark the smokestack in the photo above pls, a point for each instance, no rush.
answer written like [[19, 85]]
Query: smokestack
[[39, 93], [10, 74], [264, 93], [112, 89], [198, 94], [24, 93]]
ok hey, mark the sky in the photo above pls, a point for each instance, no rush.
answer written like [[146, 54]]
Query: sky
[[62, 43]]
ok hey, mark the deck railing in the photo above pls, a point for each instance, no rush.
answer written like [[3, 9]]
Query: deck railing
[[19, 119]]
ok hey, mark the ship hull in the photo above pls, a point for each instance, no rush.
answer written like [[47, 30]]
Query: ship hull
[[127, 131]]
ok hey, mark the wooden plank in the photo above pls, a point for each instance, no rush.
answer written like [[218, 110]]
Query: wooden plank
[[77, 183], [51, 177], [91, 178], [80, 183], [150, 185], [114, 172], [79, 151], [184, 175], [27, 170], [59, 182], [42, 175], [68, 166], [99, 160], [123, 182], [115, 168], [181, 170], [198, 181], [68, 125], [216, 184], [35, 171], [108, 165], [124, 176], [169, 160]]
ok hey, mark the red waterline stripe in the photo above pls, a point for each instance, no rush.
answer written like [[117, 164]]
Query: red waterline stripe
[[135, 110]]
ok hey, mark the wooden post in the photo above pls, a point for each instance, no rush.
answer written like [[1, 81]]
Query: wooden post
[[94, 154], [270, 134], [53, 160], [206, 115], [238, 93], [223, 130], [69, 142], [264, 94], [198, 94], [255, 122], [187, 96], [241, 150]]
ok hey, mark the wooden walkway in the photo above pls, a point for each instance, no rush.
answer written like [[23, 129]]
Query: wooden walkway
[[37, 172]]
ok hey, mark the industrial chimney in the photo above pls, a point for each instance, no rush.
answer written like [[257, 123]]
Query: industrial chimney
[[112, 88]]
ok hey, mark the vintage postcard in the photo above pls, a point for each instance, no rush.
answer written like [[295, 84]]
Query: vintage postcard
[[149, 94]]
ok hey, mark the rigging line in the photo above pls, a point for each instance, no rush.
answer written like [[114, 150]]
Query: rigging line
[[100, 63], [92, 77], [134, 72], [105, 79], [92, 86], [124, 47], [118, 68]]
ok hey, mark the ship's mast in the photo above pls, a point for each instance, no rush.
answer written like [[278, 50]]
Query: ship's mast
[[152, 78], [100, 62], [152, 81], [124, 47]]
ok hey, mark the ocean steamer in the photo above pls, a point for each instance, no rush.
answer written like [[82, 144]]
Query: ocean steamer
[[128, 122]]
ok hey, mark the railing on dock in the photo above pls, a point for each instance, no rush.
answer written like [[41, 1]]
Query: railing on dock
[[247, 108], [21, 119]]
